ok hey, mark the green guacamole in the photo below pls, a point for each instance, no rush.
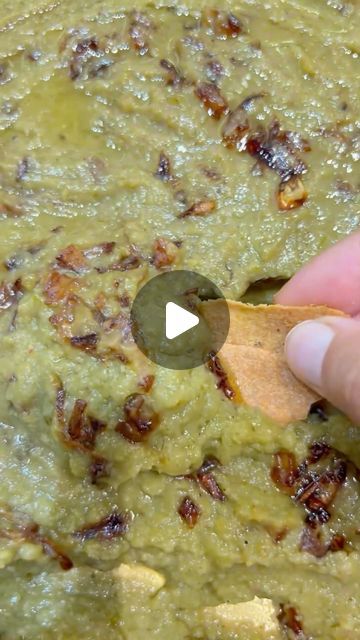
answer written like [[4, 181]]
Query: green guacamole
[[115, 165]]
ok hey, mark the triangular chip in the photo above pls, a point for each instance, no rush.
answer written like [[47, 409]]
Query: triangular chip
[[253, 355]]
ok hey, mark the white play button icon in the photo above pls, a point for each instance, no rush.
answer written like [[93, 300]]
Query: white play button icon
[[178, 320]]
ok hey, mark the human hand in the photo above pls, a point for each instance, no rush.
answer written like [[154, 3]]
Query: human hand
[[325, 353]]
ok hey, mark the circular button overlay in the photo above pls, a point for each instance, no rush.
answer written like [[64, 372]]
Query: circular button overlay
[[168, 323]]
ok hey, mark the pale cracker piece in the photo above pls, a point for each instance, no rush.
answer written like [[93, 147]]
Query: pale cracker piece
[[253, 355], [253, 620]]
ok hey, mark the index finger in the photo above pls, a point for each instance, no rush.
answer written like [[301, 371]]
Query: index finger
[[332, 278]]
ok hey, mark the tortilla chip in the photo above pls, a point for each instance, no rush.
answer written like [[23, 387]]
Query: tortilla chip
[[253, 355]]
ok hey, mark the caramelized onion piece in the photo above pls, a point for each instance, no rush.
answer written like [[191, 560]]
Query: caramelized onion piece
[[284, 470], [189, 512], [173, 76], [87, 342], [221, 23], [164, 253], [83, 429], [112, 526], [127, 263], [201, 208], [10, 294], [291, 622], [146, 382], [58, 287], [72, 258], [291, 194], [99, 469], [235, 129], [207, 480], [223, 384], [139, 419], [212, 99], [277, 149]]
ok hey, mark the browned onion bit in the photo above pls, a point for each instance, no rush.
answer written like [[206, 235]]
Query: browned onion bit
[[235, 129], [311, 542], [58, 287], [223, 383], [284, 471], [248, 102], [72, 258], [201, 208], [173, 76], [10, 293], [277, 150], [189, 512], [146, 382], [221, 23], [163, 170], [87, 342], [83, 429], [127, 263], [213, 101], [139, 419], [291, 622], [164, 253], [84, 50], [50, 548], [112, 526], [207, 480], [291, 194]]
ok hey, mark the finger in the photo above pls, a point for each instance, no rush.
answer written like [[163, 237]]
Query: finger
[[325, 354], [332, 278]]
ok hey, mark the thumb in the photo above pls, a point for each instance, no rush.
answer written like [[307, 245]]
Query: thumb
[[325, 354]]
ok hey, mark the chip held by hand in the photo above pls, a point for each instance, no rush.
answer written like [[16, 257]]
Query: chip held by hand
[[253, 356]]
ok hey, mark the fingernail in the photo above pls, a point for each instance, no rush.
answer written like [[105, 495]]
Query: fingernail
[[305, 349]]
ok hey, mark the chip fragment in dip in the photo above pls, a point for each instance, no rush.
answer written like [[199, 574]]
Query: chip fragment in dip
[[253, 356]]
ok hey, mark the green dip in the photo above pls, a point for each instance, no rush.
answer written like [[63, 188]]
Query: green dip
[[106, 147]]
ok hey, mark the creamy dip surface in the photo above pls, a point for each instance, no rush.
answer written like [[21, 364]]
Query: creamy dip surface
[[135, 138]]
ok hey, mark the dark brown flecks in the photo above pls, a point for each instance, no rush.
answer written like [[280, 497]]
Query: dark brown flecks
[[173, 76], [139, 421], [54, 551], [189, 512], [163, 170], [311, 542], [212, 99], [87, 342], [113, 526], [201, 208], [223, 383]]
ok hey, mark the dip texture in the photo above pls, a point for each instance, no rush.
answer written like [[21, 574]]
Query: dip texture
[[221, 138]]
